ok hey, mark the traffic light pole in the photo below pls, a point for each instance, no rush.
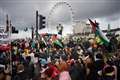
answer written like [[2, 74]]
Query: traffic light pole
[[37, 25], [32, 35]]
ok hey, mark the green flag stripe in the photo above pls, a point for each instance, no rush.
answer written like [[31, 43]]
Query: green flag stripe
[[103, 38], [58, 43]]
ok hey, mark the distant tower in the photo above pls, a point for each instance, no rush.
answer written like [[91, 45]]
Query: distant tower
[[7, 24]]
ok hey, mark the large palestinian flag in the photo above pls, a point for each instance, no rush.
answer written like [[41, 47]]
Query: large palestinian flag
[[99, 34]]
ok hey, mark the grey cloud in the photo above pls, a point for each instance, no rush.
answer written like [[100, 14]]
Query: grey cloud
[[22, 12]]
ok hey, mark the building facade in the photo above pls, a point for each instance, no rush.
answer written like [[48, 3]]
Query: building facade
[[82, 27]]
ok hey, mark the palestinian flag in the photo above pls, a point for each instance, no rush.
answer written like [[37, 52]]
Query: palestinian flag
[[99, 34], [57, 43], [98, 40]]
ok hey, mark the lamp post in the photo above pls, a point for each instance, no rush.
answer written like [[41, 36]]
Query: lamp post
[[60, 29]]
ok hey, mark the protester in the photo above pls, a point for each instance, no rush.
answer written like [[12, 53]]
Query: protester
[[34, 60]]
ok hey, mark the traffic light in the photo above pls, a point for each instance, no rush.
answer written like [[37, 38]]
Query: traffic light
[[41, 22], [14, 30]]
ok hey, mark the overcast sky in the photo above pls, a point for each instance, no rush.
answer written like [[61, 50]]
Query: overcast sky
[[22, 12]]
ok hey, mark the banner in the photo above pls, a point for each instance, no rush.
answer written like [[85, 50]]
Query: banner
[[3, 35]]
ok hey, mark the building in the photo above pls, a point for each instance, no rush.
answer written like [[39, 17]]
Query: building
[[83, 30], [82, 27]]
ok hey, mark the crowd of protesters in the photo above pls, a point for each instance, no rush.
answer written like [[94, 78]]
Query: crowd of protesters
[[5, 67], [35, 60]]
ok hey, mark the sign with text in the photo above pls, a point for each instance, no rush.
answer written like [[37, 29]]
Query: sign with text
[[3, 35]]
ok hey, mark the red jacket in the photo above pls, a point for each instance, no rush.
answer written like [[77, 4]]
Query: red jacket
[[52, 71]]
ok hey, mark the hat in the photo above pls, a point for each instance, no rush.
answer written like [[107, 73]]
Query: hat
[[43, 61]]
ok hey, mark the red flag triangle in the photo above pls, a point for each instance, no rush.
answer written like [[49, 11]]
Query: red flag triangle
[[93, 25]]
